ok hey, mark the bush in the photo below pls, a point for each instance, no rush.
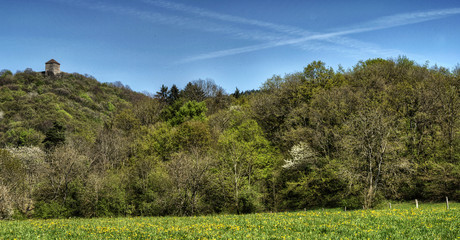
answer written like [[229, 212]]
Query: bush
[[248, 201], [351, 202], [51, 209], [24, 137]]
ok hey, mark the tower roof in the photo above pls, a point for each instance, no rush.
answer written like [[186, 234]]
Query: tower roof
[[52, 61]]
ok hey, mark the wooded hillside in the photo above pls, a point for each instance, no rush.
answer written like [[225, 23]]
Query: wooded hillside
[[385, 129]]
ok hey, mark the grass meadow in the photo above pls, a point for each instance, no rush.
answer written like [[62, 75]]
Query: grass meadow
[[403, 221]]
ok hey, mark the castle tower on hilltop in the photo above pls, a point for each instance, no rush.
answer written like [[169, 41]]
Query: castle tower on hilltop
[[52, 68]]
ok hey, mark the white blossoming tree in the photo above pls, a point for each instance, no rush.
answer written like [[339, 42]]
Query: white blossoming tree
[[302, 156]]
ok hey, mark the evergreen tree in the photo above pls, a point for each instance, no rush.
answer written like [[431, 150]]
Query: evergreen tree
[[55, 136], [173, 94]]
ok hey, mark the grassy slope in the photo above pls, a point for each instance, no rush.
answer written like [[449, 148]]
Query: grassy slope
[[431, 221]]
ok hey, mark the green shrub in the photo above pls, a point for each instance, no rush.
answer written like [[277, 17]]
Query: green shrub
[[51, 209]]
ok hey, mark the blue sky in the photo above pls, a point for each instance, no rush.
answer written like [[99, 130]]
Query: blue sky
[[147, 43]]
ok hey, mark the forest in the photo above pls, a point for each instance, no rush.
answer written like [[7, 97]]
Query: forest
[[383, 130]]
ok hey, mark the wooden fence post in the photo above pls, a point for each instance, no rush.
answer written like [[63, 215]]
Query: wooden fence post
[[447, 203], [416, 203]]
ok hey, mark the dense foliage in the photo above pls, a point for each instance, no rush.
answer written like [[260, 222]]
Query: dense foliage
[[386, 129]]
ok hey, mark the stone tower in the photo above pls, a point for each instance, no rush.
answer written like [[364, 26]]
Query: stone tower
[[52, 68]]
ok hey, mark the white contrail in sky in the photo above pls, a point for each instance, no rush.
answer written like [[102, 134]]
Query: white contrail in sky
[[378, 24], [290, 30], [178, 21], [411, 18], [298, 37], [384, 22], [227, 18]]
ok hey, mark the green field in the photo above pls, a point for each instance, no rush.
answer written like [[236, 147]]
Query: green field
[[403, 221]]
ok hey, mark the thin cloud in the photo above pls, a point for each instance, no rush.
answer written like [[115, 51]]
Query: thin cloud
[[295, 31], [227, 18], [349, 47], [345, 43], [378, 24], [270, 39], [233, 51], [411, 18], [177, 21]]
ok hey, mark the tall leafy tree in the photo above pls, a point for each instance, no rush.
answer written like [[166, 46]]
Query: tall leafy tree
[[246, 158], [191, 110]]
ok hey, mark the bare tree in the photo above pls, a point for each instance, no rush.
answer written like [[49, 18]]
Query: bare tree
[[368, 145], [31, 162], [64, 166], [110, 149], [6, 203], [189, 173]]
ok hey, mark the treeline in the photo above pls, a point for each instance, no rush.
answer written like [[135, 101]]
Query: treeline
[[386, 129]]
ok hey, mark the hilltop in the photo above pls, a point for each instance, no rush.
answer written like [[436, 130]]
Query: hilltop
[[31, 102]]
